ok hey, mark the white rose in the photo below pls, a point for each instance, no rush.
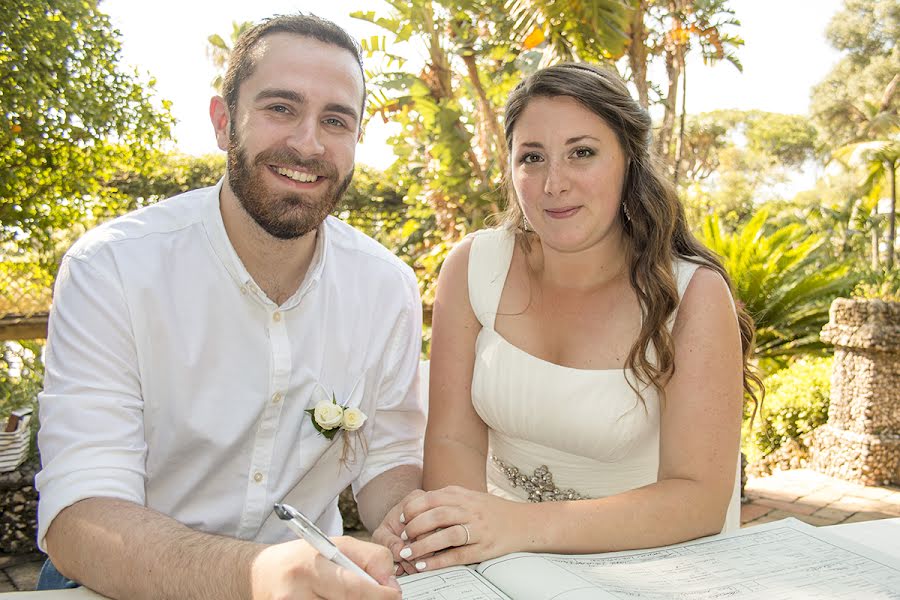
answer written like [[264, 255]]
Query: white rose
[[328, 414], [353, 419]]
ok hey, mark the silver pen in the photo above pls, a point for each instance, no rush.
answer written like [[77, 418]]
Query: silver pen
[[313, 536]]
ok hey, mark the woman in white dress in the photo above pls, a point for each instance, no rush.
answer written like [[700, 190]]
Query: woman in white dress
[[588, 364]]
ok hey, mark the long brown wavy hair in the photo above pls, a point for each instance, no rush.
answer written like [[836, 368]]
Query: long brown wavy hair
[[655, 224]]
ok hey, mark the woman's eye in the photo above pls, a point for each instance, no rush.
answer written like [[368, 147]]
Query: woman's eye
[[530, 158], [583, 152]]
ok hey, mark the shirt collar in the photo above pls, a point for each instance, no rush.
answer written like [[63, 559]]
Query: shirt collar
[[221, 245]]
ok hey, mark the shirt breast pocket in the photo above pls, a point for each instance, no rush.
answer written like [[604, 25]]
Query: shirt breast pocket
[[341, 421]]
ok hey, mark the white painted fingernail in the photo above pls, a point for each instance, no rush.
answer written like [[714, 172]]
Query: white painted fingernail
[[402, 518], [403, 535], [420, 566], [406, 552]]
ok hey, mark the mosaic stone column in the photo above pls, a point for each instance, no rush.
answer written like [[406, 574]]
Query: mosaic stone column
[[18, 507], [861, 440]]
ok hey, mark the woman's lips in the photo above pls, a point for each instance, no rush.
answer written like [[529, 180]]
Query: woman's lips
[[562, 213]]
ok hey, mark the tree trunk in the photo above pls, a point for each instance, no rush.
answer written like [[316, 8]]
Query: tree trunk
[[488, 116], [680, 151], [664, 139], [674, 63], [441, 87], [875, 233], [892, 215], [637, 53]]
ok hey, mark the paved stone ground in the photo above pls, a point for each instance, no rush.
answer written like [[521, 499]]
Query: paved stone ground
[[816, 499], [804, 494]]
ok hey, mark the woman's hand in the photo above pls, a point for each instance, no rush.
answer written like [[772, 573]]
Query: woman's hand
[[456, 526], [388, 534]]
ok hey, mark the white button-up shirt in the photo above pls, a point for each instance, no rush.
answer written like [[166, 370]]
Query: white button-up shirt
[[172, 380]]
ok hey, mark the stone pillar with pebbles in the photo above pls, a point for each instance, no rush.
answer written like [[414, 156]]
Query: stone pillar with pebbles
[[18, 505], [861, 440]]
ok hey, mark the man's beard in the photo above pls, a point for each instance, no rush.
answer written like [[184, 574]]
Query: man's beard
[[284, 215]]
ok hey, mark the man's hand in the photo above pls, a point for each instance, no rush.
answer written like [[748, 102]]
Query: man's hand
[[295, 570]]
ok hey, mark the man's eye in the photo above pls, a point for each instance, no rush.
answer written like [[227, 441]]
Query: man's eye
[[279, 108], [334, 122]]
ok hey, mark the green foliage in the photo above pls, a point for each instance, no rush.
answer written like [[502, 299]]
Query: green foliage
[[71, 116], [219, 51], [162, 176], [25, 287], [784, 280], [797, 399], [375, 205], [450, 146], [880, 284], [731, 160], [789, 140], [21, 378], [866, 31]]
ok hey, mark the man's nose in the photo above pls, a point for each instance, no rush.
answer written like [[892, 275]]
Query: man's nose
[[305, 138], [557, 181]]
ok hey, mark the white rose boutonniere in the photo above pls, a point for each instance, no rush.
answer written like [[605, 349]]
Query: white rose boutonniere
[[329, 417], [352, 419]]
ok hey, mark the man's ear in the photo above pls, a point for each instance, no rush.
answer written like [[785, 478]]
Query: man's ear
[[221, 121]]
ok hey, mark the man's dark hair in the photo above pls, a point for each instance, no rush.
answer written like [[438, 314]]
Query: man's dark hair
[[242, 62]]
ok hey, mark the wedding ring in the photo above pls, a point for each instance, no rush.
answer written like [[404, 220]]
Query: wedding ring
[[466, 529]]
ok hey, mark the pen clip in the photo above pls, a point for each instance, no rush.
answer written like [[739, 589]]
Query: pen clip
[[286, 512]]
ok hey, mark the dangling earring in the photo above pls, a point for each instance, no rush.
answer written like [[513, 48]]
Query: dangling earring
[[526, 226], [627, 212]]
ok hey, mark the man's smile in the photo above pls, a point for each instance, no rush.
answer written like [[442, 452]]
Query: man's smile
[[295, 175]]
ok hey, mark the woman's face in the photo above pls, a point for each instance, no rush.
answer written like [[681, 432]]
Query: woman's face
[[567, 171]]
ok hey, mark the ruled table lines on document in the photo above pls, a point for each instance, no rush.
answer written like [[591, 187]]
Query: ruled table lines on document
[[452, 584], [779, 562]]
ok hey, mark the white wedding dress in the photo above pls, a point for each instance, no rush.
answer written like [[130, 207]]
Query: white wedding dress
[[557, 432]]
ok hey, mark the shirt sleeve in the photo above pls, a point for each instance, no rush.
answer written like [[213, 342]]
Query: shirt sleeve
[[91, 410], [398, 430]]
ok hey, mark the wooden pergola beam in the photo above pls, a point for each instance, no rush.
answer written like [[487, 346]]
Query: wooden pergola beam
[[24, 327], [33, 327]]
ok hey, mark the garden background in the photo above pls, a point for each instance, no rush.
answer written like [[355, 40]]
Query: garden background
[[84, 137]]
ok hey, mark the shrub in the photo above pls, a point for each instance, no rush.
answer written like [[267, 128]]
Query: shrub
[[881, 284], [796, 402], [21, 378]]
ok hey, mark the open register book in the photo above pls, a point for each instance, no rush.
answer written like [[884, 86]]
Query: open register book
[[783, 559]]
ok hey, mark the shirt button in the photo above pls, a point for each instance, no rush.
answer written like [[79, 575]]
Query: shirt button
[[244, 290], [276, 397], [276, 317], [257, 477]]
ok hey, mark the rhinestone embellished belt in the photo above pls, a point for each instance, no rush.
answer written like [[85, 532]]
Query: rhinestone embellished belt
[[539, 486]]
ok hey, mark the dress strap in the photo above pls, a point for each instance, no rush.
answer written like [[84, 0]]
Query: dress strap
[[489, 259], [684, 272]]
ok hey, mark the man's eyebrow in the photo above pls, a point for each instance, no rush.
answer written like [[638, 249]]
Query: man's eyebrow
[[299, 98], [342, 109], [291, 95]]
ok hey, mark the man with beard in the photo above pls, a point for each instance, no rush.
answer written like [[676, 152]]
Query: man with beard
[[200, 348]]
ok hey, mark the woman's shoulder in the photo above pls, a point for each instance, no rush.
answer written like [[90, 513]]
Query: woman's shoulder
[[706, 295]]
